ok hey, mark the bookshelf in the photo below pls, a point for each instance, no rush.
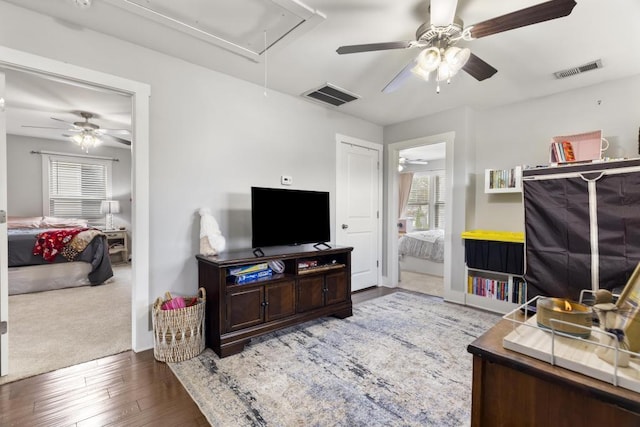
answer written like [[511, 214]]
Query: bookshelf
[[503, 180], [494, 268], [495, 291]]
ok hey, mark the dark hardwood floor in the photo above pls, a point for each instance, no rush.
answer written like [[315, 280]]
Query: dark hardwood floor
[[127, 389]]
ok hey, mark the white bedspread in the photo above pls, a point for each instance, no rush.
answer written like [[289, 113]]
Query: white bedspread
[[423, 244]]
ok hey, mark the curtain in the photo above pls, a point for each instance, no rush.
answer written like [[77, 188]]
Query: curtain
[[406, 179]]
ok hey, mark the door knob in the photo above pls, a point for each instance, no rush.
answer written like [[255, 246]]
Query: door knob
[[345, 226]]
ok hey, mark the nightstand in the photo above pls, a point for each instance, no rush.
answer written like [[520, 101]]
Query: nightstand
[[118, 242]]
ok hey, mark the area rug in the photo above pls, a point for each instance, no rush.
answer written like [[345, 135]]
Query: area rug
[[55, 329], [400, 360]]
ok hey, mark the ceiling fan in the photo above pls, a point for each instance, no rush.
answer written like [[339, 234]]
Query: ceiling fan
[[439, 58], [406, 161], [88, 134], [403, 162]]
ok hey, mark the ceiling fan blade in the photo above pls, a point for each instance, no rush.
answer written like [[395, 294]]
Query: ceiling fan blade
[[114, 131], [443, 12], [399, 79], [65, 122], [478, 69], [117, 139], [43, 127], [373, 46], [531, 15]]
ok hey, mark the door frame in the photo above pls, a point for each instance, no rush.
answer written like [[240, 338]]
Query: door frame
[[378, 147], [4, 286], [393, 157], [141, 334]]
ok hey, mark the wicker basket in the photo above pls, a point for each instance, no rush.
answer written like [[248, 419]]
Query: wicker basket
[[178, 334]]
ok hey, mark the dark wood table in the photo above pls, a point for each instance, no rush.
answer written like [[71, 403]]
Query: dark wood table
[[512, 389]]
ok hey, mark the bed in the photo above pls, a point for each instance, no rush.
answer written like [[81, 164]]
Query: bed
[[422, 252], [83, 257]]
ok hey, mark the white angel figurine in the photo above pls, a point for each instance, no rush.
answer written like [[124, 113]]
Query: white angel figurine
[[212, 242]]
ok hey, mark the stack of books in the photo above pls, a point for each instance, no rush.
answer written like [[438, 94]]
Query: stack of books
[[250, 273], [562, 152], [307, 264]]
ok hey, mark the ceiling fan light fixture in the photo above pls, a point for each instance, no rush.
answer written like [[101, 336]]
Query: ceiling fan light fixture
[[444, 72], [456, 57], [86, 140], [420, 72], [429, 59]]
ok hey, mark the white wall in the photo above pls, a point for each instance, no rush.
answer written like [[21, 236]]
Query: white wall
[[24, 175], [520, 134], [212, 137]]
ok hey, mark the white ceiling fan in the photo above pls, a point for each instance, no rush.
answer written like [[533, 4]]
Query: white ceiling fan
[[440, 59], [403, 162], [407, 161], [87, 134]]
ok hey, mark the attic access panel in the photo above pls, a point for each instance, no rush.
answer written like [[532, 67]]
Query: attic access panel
[[235, 25]]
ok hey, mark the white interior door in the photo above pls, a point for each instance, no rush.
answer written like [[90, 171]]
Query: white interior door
[[4, 287], [358, 207]]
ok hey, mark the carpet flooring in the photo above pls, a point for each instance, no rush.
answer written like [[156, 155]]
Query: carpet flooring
[[400, 360], [423, 283], [55, 329]]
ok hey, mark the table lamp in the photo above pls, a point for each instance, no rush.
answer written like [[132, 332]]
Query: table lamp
[[109, 207]]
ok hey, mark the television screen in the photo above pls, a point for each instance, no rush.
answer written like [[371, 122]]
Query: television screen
[[289, 217]]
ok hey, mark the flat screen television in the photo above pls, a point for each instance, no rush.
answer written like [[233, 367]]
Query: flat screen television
[[289, 217]]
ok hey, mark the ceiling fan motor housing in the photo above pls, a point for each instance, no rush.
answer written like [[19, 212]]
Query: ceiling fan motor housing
[[86, 125], [428, 34]]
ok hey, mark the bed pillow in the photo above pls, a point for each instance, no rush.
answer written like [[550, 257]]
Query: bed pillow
[[24, 222], [53, 222]]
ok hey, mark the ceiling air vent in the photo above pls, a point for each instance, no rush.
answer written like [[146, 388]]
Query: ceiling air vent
[[330, 94], [577, 70]]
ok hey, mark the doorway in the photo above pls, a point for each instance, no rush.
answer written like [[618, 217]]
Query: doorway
[[421, 213], [393, 180], [36, 145], [141, 336]]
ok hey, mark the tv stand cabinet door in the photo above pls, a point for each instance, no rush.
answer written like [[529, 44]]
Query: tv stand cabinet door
[[245, 308], [310, 293], [280, 300], [336, 288]]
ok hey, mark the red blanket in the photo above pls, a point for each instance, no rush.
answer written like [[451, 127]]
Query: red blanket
[[51, 242]]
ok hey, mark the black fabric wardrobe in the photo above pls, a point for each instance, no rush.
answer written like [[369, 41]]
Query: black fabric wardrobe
[[582, 227]]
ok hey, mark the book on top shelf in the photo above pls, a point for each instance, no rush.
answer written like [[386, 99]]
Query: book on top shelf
[[562, 152]]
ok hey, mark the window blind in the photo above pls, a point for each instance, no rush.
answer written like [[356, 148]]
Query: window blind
[[426, 203], [76, 188], [418, 204]]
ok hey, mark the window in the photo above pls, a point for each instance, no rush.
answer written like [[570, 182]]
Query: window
[[426, 200], [74, 187]]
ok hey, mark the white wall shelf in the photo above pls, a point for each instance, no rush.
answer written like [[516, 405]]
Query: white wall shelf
[[503, 180]]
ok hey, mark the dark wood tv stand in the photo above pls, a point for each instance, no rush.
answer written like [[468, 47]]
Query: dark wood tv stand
[[235, 313]]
